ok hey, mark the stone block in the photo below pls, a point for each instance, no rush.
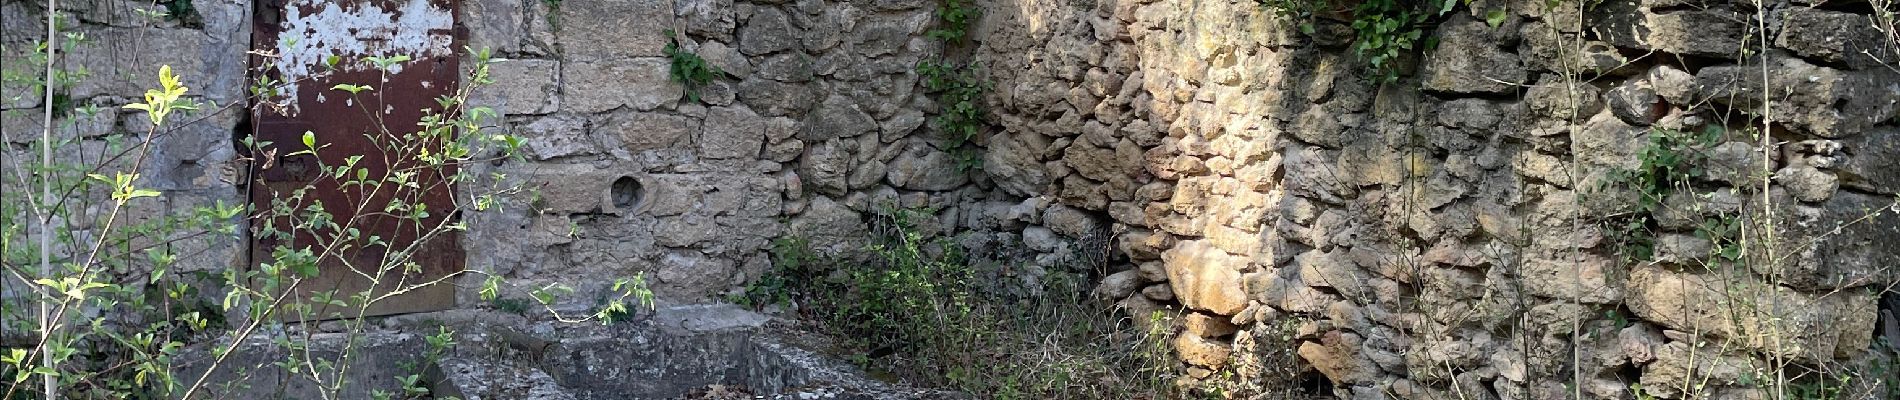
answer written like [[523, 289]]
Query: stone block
[[610, 31], [732, 132], [1206, 278], [1754, 314], [638, 83], [525, 86], [1811, 99], [1835, 37], [1468, 61]]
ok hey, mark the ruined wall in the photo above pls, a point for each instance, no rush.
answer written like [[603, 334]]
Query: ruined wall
[[819, 127], [1459, 233], [1451, 234]]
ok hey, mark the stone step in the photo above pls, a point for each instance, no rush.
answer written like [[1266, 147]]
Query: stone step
[[488, 379]]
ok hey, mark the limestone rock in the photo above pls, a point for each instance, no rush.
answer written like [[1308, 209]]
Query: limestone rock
[[926, 168], [837, 117], [1118, 285], [555, 137], [1206, 278], [707, 18], [1874, 161], [1681, 364], [1013, 162], [1810, 327], [1337, 356], [1834, 37], [1818, 100], [767, 31], [1468, 61], [774, 98], [1845, 242], [1072, 222], [612, 31], [1207, 326], [1196, 350], [829, 224], [640, 84], [1635, 102], [732, 132], [1552, 97], [1709, 32], [824, 167], [642, 131], [1807, 183]]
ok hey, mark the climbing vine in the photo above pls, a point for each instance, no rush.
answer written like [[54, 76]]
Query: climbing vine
[[958, 87], [1384, 31], [1670, 162], [688, 69]]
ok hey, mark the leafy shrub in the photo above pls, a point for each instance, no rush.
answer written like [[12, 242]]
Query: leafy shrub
[[688, 69]]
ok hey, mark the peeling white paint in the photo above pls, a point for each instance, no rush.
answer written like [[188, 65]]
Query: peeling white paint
[[363, 30]]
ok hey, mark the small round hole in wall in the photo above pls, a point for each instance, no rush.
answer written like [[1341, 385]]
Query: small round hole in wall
[[627, 194]]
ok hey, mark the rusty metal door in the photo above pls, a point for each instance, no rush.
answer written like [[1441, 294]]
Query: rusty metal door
[[313, 46]]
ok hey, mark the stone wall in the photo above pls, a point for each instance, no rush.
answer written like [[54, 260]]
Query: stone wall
[[1456, 233], [819, 127], [193, 165], [1451, 234]]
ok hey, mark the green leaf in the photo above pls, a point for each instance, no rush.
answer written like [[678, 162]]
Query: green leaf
[[310, 140], [353, 89], [1495, 18]]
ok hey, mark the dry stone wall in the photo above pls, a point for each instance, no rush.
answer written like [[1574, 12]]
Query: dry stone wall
[[1462, 232]]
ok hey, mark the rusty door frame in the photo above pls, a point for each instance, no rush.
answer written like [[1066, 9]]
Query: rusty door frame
[[314, 107]]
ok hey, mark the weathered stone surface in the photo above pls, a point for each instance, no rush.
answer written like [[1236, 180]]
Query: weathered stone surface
[[1015, 167], [500, 22], [707, 18], [1873, 162], [611, 31], [1119, 285], [639, 84], [829, 225], [1842, 243], [212, 67], [837, 117], [554, 137], [521, 87], [1072, 222], [1699, 32], [1587, 278], [1807, 183], [1337, 356], [774, 98], [1467, 61], [767, 31], [1635, 102], [1196, 350], [1207, 326], [1817, 100], [1681, 364], [1555, 98], [575, 189], [825, 166], [1834, 37], [926, 168], [640, 131], [732, 132], [882, 35], [1805, 326], [1206, 278]]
